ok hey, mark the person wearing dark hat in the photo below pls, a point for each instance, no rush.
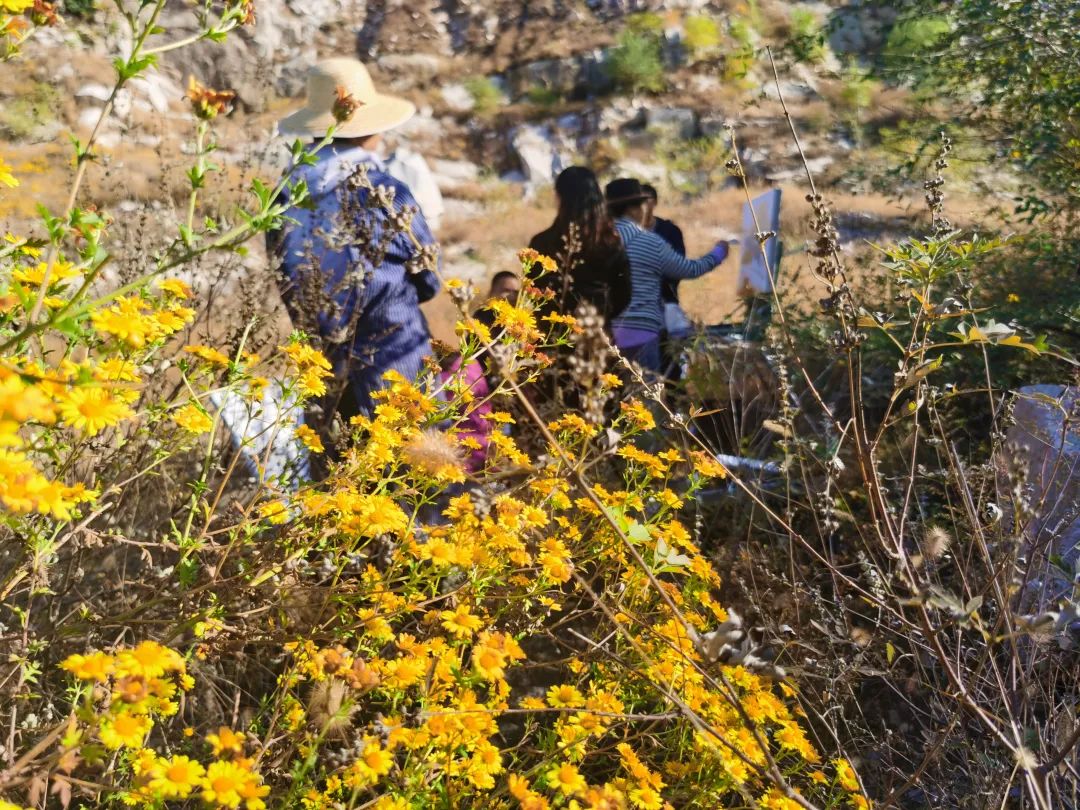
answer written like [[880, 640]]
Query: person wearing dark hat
[[675, 321], [652, 261]]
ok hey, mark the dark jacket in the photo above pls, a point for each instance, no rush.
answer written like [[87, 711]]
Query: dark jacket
[[672, 234], [600, 276]]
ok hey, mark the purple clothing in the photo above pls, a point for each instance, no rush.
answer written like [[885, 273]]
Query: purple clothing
[[474, 425], [640, 346], [628, 337]]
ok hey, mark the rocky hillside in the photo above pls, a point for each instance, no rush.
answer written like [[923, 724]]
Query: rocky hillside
[[509, 93]]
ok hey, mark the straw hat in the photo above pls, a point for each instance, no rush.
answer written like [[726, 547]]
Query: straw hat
[[376, 112]]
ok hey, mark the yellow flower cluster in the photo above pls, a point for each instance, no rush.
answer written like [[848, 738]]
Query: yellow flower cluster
[[136, 322], [312, 368], [433, 656], [137, 686], [86, 397]]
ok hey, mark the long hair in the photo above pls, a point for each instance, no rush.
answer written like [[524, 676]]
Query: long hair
[[581, 203]]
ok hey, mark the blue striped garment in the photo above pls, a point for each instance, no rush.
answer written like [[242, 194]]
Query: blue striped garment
[[651, 261], [382, 301]]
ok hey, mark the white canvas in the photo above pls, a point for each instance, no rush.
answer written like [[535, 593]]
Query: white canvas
[[754, 276]]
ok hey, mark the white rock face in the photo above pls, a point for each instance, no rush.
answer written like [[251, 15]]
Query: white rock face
[[411, 168], [457, 97], [646, 172], [679, 122], [94, 92], [540, 153], [619, 113], [453, 174], [408, 70]]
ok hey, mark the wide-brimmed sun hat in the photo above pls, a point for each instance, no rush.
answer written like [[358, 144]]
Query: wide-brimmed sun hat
[[374, 113], [625, 190]]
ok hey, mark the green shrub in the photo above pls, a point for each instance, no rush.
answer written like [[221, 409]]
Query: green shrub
[[80, 8], [543, 96], [740, 58], [697, 166], [702, 35], [914, 38], [646, 24], [806, 41], [857, 91], [485, 93], [635, 63]]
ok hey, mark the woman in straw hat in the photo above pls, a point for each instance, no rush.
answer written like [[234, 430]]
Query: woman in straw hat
[[357, 257]]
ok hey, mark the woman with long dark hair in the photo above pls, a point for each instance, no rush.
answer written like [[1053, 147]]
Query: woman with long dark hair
[[593, 267]]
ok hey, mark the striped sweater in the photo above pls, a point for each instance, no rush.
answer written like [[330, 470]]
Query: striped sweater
[[651, 261]]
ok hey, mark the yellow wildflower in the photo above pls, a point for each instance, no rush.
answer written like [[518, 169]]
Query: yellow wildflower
[[148, 660], [61, 271], [460, 622], [566, 779], [312, 381], [176, 778], [226, 740], [223, 783], [90, 409], [706, 465], [174, 286], [518, 323], [775, 800], [193, 418], [646, 798], [6, 177], [274, 511], [212, 356], [845, 775], [124, 730], [638, 415], [374, 761], [564, 695], [791, 737], [310, 439], [97, 666]]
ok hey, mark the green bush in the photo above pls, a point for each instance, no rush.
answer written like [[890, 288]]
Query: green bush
[[806, 42], [697, 166], [646, 24], [740, 58], [635, 63], [702, 35], [80, 8], [486, 95], [22, 117], [857, 91], [543, 96], [914, 38]]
